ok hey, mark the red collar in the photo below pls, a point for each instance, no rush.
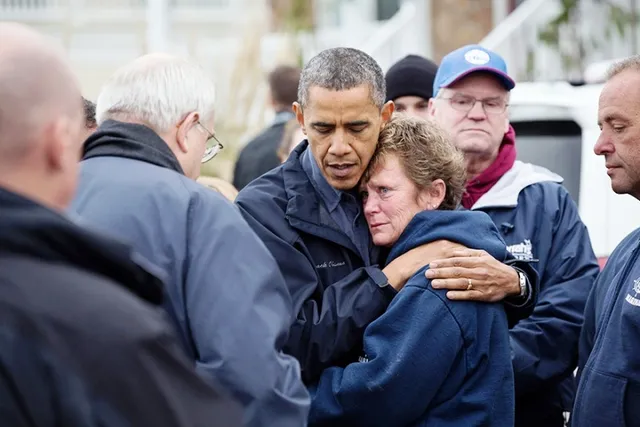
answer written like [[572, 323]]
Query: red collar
[[481, 184]]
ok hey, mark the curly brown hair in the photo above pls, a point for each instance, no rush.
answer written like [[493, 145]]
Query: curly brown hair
[[426, 153]]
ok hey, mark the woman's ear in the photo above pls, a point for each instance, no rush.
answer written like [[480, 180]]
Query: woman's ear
[[431, 197]]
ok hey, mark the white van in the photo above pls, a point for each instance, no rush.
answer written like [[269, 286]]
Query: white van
[[556, 127]]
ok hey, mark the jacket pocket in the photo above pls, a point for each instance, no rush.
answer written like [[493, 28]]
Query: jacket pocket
[[600, 400]]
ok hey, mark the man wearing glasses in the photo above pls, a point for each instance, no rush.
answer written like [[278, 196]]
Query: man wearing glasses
[[224, 291], [538, 220]]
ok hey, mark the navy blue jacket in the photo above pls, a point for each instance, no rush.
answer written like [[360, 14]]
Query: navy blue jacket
[[335, 295], [226, 295], [609, 370], [427, 360], [540, 223], [82, 340]]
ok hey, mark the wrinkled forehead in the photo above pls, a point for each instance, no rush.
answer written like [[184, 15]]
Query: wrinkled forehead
[[478, 84]]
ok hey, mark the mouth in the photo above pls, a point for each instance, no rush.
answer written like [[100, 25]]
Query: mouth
[[376, 226], [341, 170], [476, 131]]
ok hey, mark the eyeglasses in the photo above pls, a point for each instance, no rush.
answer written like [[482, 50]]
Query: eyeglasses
[[213, 145], [465, 103]]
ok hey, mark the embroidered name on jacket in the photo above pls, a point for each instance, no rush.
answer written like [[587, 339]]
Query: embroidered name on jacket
[[330, 264], [522, 251], [636, 289]]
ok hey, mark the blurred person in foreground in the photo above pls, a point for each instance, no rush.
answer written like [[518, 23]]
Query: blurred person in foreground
[[536, 217], [426, 360], [225, 293], [609, 368], [308, 213], [260, 154], [82, 341]]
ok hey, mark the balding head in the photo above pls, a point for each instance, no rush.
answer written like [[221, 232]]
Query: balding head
[[40, 114]]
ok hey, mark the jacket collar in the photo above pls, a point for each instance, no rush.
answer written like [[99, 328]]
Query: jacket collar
[[305, 210], [31, 230], [131, 141], [474, 230]]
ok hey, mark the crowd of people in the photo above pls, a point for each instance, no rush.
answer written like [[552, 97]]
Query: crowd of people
[[381, 259]]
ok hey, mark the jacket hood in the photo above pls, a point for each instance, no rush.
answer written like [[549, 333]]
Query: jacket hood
[[31, 230], [506, 191], [474, 230], [131, 141]]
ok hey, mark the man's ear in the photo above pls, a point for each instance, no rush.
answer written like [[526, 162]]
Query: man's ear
[[297, 110], [432, 107], [183, 130], [387, 111], [55, 141]]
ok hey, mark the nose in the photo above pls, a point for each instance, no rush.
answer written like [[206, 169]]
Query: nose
[[477, 111], [603, 144], [370, 206], [340, 146]]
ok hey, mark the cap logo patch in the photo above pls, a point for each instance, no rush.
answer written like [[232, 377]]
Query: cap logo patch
[[477, 57]]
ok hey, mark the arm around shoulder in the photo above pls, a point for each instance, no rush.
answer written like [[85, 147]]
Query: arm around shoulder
[[326, 326]]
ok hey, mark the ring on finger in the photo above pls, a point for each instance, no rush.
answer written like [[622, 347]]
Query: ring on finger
[[470, 286]]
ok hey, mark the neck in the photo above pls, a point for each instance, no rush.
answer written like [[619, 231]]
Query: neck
[[476, 164], [27, 183]]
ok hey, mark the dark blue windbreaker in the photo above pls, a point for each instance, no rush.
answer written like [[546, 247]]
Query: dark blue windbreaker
[[427, 360], [539, 222], [609, 375]]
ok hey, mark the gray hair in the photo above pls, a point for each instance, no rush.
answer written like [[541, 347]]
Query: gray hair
[[157, 89], [631, 63], [342, 68]]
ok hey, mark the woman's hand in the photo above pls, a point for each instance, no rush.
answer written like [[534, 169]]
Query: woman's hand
[[406, 265], [475, 275]]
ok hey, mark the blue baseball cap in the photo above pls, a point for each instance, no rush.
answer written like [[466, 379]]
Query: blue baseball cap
[[469, 59]]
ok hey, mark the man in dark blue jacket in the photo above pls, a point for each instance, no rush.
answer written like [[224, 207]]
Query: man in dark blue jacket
[[226, 295], [538, 220], [308, 214], [609, 368]]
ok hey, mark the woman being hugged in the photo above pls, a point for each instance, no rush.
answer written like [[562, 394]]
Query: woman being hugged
[[427, 360]]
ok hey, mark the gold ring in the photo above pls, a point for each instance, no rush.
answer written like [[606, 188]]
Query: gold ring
[[470, 285]]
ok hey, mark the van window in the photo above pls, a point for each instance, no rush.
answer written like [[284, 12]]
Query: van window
[[555, 145]]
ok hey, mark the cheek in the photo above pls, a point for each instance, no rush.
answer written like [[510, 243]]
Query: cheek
[[400, 211]]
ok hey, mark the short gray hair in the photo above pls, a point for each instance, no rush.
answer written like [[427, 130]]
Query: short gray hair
[[342, 68], [158, 90], [631, 63]]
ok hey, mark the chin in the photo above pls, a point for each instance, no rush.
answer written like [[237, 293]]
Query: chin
[[383, 240], [343, 184]]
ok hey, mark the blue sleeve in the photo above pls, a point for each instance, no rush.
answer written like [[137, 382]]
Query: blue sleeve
[[545, 345], [239, 315], [411, 351], [328, 326]]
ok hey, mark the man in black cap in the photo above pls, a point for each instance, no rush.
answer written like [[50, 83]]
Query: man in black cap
[[410, 85]]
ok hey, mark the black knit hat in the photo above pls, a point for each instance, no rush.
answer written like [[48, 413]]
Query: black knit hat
[[413, 75]]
